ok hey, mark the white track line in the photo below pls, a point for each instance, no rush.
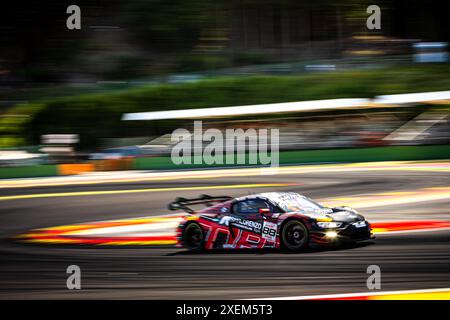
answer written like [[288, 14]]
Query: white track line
[[351, 295]]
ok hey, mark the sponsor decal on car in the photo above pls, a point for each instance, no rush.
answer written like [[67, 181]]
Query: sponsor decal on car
[[249, 225]]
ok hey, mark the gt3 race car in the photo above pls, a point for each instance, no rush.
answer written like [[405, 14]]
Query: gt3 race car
[[285, 220]]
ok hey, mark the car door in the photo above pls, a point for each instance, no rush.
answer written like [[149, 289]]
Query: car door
[[249, 227]]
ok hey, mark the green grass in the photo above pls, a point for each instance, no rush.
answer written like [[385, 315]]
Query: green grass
[[392, 153], [28, 172]]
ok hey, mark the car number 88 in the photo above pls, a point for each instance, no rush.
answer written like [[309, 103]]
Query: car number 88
[[269, 231]]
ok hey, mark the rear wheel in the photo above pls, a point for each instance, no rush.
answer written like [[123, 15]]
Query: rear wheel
[[193, 238], [294, 236]]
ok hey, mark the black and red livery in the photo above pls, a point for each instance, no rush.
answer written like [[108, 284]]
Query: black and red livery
[[280, 220]]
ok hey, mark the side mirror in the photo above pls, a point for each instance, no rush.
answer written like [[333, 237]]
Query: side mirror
[[264, 211]]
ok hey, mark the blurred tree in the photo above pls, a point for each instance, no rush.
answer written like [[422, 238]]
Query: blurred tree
[[169, 25], [152, 35]]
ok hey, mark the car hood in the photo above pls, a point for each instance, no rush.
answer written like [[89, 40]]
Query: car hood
[[346, 216], [339, 215]]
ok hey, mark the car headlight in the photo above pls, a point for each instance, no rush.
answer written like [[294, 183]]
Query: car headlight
[[360, 224], [329, 225]]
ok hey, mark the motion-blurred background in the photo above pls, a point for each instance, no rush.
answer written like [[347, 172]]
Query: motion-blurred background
[[91, 111], [63, 93]]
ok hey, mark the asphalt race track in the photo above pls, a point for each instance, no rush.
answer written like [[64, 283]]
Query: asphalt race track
[[410, 260]]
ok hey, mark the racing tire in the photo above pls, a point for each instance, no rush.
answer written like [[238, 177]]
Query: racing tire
[[193, 237], [294, 236]]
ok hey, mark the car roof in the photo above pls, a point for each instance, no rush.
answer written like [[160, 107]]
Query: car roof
[[272, 196]]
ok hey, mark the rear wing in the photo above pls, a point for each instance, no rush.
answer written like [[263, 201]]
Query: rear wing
[[184, 203]]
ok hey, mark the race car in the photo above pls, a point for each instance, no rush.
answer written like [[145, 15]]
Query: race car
[[280, 220]]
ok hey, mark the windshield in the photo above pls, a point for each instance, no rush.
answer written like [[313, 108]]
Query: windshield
[[294, 202]]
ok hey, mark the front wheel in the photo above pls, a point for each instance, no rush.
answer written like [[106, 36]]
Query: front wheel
[[294, 236], [193, 238]]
